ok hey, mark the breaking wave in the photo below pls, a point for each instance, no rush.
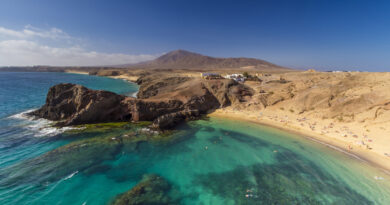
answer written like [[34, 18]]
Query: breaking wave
[[134, 94], [71, 175], [40, 127]]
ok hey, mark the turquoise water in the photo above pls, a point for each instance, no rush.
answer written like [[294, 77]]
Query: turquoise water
[[210, 161], [19, 92]]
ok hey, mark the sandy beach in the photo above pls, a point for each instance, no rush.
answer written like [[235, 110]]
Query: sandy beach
[[348, 138], [125, 77], [77, 72], [364, 137]]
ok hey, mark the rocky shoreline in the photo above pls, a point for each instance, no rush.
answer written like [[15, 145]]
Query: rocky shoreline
[[164, 101]]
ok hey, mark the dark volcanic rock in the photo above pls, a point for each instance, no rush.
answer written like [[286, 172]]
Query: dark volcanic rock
[[75, 104], [148, 110], [170, 120], [152, 189], [166, 101], [151, 86]]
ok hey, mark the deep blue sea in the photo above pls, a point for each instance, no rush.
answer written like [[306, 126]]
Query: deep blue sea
[[209, 161]]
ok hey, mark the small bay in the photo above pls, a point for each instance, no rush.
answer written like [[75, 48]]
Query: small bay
[[209, 161]]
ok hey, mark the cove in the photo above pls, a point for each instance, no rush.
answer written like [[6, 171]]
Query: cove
[[209, 161]]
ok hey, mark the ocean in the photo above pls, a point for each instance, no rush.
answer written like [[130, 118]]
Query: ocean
[[208, 161]]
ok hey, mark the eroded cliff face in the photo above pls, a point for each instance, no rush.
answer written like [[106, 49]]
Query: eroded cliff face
[[166, 101], [208, 93], [72, 104]]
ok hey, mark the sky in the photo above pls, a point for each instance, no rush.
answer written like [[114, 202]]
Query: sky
[[324, 35]]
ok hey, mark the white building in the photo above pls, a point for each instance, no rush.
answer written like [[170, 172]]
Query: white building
[[236, 77]]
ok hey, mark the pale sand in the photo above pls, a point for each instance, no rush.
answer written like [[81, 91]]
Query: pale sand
[[77, 72], [333, 137], [131, 78], [124, 77]]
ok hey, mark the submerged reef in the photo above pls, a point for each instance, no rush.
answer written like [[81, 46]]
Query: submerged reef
[[152, 189], [95, 144], [285, 182]]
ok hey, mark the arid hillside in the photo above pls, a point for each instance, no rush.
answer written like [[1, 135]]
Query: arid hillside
[[174, 60], [343, 97], [350, 109], [181, 59]]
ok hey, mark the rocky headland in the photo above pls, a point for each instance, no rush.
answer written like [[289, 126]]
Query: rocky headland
[[349, 110], [164, 100]]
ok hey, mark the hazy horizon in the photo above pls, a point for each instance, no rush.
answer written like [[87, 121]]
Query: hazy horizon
[[324, 35]]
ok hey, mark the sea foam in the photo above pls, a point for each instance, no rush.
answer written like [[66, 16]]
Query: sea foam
[[134, 94], [71, 175], [40, 127]]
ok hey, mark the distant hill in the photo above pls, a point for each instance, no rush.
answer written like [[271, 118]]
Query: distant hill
[[51, 68], [178, 59], [181, 59]]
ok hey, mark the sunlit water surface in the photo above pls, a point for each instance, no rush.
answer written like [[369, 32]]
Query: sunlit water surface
[[210, 161]]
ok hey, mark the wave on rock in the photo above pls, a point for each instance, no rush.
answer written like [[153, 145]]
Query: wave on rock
[[134, 94], [40, 127]]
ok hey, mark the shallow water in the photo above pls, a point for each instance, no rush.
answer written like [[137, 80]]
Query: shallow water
[[22, 91], [210, 161]]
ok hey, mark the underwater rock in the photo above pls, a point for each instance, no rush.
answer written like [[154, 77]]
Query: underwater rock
[[152, 189], [60, 163], [99, 143], [280, 183], [170, 120]]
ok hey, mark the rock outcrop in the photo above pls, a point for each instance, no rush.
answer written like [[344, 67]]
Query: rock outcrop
[[217, 93], [74, 104], [170, 120], [165, 101]]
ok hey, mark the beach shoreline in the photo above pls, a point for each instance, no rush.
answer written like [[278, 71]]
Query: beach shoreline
[[354, 139], [77, 72], [129, 78], [366, 156]]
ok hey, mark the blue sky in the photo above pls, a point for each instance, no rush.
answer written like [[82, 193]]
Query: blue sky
[[300, 34]]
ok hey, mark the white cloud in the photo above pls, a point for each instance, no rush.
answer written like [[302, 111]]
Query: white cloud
[[31, 32], [25, 47]]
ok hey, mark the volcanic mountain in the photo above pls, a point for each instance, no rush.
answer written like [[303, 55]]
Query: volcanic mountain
[[174, 60], [181, 59]]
